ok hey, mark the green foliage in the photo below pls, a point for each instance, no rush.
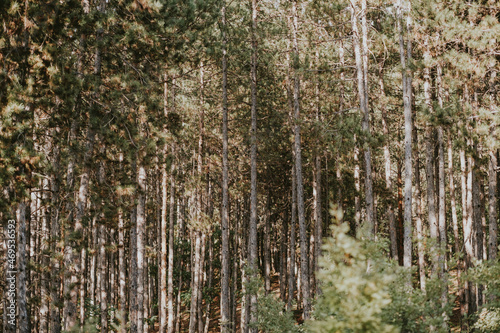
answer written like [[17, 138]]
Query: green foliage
[[414, 310], [272, 317], [487, 274], [489, 320], [363, 291], [355, 285]]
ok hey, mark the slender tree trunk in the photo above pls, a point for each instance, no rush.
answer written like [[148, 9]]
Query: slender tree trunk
[[55, 281], [252, 239], [22, 306], [209, 283], [387, 166], [133, 304], [171, 249], [291, 247], [407, 91], [304, 253], [103, 273], [141, 233], [267, 245], [469, 233], [418, 218], [431, 196], [453, 204], [163, 225], [245, 297], [225, 256], [44, 240], [363, 102], [493, 206], [400, 224], [283, 258], [196, 283]]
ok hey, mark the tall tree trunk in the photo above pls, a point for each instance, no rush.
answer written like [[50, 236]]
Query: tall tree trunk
[[469, 233], [55, 281], [365, 124], [363, 102], [418, 218], [44, 240], [141, 233], [431, 196], [407, 91], [171, 249], [304, 253], [225, 256], [163, 224], [387, 166], [252, 239]]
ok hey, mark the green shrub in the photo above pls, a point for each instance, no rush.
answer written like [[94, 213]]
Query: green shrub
[[364, 291], [355, 283], [487, 274]]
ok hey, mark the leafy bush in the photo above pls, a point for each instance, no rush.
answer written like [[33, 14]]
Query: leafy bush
[[487, 274], [355, 286], [416, 311], [363, 291]]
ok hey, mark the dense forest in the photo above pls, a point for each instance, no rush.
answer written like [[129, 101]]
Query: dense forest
[[249, 166]]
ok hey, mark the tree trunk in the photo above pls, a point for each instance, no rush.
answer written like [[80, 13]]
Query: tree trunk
[[171, 249], [291, 246], [225, 324], [22, 305], [387, 166], [304, 253], [407, 91], [493, 206], [55, 281], [133, 304], [163, 225], [44, 240], [267, 245], [418, 218], [252, 239], [363, 102], [141, 233], [431, 196], [453, 204]]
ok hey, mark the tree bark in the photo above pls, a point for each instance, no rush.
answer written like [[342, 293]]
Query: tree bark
[[387, 166], [225, 256], [22, 306], [418, 218], [141, 233], [304, 252], [363, 102], [453, 204], [252, 239], [407, 91], [493, 206], [163, 225]]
